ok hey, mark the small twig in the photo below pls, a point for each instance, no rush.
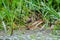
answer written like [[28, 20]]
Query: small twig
[[38, 24], [35, 23]]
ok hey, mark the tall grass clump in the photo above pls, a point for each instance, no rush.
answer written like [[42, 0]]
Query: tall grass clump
[[15, 13]]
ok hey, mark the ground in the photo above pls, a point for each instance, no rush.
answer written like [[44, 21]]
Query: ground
[[29, 35]]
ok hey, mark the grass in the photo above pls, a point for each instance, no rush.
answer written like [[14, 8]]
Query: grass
[[16, 12]]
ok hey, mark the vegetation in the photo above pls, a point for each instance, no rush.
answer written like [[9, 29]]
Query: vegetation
[[15, 13]]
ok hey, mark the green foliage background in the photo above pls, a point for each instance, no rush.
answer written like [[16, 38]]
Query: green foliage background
[[17, 11]]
